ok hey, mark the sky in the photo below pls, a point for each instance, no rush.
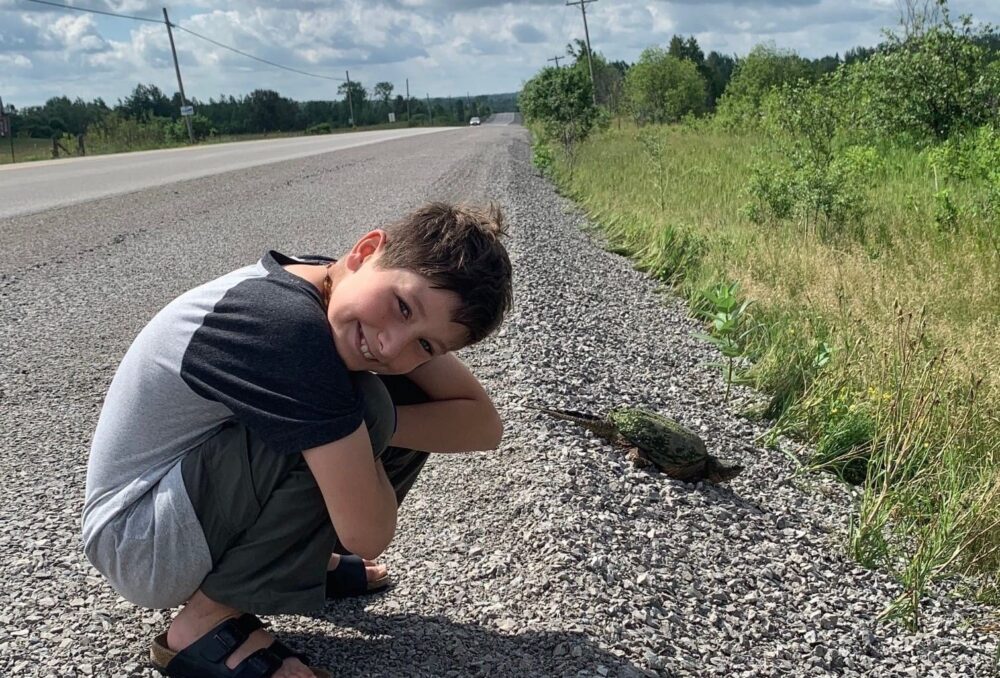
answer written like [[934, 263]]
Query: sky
[[444, 47]]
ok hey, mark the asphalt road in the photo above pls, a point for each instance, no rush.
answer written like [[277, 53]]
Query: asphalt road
[[36, 186]]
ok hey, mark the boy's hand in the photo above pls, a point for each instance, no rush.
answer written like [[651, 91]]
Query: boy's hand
[[358, 495], [460, 418]]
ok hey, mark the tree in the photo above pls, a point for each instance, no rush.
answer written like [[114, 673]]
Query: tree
[[383, 92], [358, 96], [687, 49], [928, 85], [763, 70], [268, 111], [146, 102], [720, 69], [560, 100], [662, 88]]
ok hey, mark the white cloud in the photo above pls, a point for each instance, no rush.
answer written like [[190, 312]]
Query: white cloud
[[443, 46]]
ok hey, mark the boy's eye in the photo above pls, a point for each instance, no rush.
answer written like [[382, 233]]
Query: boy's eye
[[403, 308], [427, 346]]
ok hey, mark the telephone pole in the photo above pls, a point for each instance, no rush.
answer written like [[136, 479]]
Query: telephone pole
[[350, 101], [180, 83], [556, 59], [407, 101], [430, 111], [590, 62]]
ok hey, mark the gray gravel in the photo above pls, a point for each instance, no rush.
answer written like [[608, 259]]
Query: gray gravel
[[550, 557]]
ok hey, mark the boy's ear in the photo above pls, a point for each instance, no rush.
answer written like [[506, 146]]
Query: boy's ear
[[370, 244]]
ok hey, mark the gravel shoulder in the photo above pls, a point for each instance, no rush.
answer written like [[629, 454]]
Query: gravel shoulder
[[551, 556]]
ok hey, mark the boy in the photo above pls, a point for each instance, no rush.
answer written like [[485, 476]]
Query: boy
[[246, 441]]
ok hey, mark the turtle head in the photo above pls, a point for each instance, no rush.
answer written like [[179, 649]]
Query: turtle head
[[717, 472]]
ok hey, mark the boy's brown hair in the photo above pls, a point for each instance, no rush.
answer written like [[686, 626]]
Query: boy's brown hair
[[457, 248]]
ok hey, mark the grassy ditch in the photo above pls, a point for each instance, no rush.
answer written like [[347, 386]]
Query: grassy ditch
[[130, 138], [873, 324]]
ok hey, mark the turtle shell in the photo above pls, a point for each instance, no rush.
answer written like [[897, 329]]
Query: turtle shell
[[666, 443]]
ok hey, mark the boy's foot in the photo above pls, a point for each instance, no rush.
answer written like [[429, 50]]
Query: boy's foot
[[350, 575], [201, 615], [373, 570]]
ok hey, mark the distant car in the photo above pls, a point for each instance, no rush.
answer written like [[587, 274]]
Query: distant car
[[474, 121]]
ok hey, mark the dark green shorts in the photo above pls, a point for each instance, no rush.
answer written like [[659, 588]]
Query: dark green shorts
[[264, 517]]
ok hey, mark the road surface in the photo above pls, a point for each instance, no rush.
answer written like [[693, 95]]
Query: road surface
[[35, 186]]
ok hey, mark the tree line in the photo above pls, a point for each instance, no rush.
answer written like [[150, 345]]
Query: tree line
[[149, 110], [934, 71]]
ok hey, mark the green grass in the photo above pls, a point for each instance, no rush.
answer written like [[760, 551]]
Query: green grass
[[27, 150], [901, 301]]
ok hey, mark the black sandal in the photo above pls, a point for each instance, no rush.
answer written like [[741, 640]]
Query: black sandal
[[350, 579], [206, 657]]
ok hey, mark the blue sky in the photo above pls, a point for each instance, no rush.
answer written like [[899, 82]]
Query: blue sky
[[444, 47]]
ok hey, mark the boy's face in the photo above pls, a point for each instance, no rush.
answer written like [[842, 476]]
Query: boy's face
[[389, 321]]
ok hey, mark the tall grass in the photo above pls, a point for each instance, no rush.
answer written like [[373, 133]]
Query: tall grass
[[877, 339]]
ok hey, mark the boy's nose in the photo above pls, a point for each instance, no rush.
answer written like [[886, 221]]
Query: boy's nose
[[391, 343]]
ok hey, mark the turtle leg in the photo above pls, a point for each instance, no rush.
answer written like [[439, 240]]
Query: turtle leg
[[638, 459]]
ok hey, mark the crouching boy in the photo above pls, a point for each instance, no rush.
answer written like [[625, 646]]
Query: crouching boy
[[253, 433]]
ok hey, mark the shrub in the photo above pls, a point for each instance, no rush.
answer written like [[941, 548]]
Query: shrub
[[319, 128], [561, 101], [663, 88]]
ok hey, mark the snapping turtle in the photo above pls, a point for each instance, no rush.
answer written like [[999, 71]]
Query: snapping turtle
[[653, 439]]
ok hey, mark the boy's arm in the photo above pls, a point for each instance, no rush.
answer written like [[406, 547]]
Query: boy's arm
[[460, 418], [357, 492]]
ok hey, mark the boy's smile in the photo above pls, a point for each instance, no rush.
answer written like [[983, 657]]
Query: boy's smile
[[389, 321]]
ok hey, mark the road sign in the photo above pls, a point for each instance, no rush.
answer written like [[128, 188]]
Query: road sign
[[4, 126], [187, 110], [392, 117]]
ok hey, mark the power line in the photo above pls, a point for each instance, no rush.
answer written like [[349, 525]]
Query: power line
[[188, 30], [251, 56], [96, 11]]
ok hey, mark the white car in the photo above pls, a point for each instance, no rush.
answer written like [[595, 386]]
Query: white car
[[474, 121]]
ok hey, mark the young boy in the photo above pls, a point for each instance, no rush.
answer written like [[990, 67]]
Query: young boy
[[249, 436]]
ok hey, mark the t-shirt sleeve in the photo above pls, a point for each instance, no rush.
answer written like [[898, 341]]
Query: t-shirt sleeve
[[266, 353]]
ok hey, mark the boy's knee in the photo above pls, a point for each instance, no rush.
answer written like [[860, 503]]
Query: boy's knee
[[380, 413]]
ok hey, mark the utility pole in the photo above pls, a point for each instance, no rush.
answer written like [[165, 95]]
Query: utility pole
[[556, 59], [407, 101], [180, 83], [350, 100], [590, 62], [430, 111]]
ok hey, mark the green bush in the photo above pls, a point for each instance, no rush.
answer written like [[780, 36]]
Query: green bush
[[319, 128], [560, 101], [764, 69], [542, 157], [663, 88], [926, 87]]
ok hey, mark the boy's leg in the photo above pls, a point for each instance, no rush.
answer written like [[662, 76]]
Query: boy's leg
[[402, 465], [264, 517]]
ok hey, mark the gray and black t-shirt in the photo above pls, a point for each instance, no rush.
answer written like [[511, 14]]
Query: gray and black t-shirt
[[252, 346]]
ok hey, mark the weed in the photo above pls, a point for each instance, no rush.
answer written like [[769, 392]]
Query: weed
[[727, 330]]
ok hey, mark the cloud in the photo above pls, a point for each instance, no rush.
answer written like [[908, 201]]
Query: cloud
[[442, 46], [526, 32]]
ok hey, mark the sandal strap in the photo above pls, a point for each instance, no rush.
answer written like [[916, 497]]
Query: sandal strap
[[285, 652], [220, 642], [261, 664], [349, 578]]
